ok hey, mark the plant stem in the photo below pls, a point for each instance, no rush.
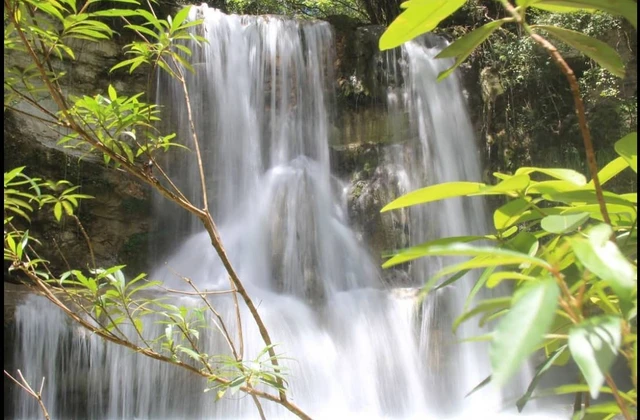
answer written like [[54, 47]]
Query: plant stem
[[618, 398], [579, 105]]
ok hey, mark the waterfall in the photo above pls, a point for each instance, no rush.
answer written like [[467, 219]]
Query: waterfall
[[261, 96]]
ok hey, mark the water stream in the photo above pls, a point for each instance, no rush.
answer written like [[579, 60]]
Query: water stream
[[263, 96]]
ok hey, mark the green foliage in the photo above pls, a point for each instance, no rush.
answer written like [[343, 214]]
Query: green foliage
[[122, 130], [574, 278]]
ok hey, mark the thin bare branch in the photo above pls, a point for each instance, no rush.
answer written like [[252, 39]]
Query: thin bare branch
[[27, 388]]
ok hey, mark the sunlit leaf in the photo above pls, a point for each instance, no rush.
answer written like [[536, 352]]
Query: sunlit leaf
[[626, 8], [603, 258], [627, 147], [557, 173], [519, 333], [417, 19], [418, 250], [595, 49], [594, 346], [434, 193], [464, 46], [563, 223]]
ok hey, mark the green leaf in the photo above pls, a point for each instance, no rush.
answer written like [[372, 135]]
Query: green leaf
[[478, 285], [464, 46], [627, 147], [417, 251], [509, 213], [555, 186], [192, 354], [563, 223], [235, 385], [57, 211], [540, 371], [557, 173], [481, 385], [520, 332], [626, 8], [597, 50], [604, 259], [497, 278], [434, 193], [417, 19], [515, 184], [112, 93], [486, 305], [611, 169], [587, 197], [114, 13], [180, 18], [594, 346]]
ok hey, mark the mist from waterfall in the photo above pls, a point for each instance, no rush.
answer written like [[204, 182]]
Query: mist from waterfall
[[355, 349]]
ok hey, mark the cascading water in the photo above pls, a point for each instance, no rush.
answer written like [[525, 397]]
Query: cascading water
[[356, 349]]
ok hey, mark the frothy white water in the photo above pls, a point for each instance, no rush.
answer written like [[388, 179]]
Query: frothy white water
[[354, 349]]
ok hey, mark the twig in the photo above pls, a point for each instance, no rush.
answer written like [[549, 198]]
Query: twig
[[87, 240], [618, 398], [37, 395], [579, 105]]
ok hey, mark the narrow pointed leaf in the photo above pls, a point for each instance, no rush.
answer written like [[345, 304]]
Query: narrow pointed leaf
[[626, 8], [595, 49], [540, 371], [434, 193], [464, 46]]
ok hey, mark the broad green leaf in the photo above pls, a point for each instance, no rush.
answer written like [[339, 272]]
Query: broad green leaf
[[604, 259], [552, 187], [624, 215], [594, 346], [595, 49], [557, 173], [626, 8], [512, 185], [464, 46], [563, 223], [417, 19], [434, 193], [482, 307], [586, 197], [627, 147], [520, 332], [418, 250], [509, 213], [610, 170], [540, 371]]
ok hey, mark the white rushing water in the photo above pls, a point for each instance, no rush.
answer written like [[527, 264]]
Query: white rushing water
[[355, 349]]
